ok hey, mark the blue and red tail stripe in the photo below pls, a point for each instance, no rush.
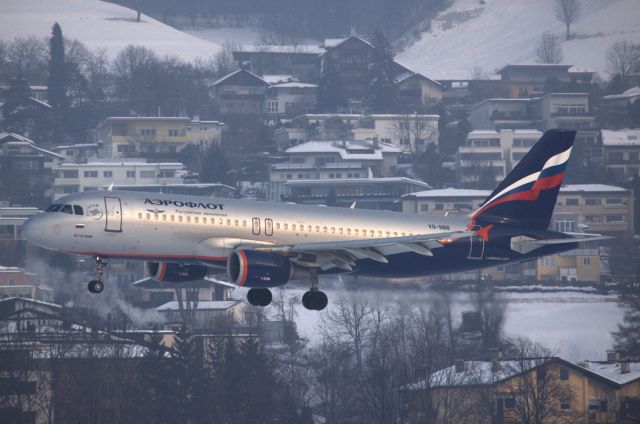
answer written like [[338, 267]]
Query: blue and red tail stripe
[[528, 194]]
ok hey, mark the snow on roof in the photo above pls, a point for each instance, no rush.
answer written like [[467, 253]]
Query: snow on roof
[[234, 73], [73, 146], [626, 137], [332, 42], [612, 372], [350, 151], [148, 118], [202, 305], [274, 79], [20, 140], [300, 49], [351, 181], [450, 192], [596, 188], [294, 85], [628, 94], [119, 164]]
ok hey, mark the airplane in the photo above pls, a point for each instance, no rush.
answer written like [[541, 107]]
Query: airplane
[[263, 245]]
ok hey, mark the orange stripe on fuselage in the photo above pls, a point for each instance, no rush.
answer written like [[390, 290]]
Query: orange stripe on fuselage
[[147, 256]]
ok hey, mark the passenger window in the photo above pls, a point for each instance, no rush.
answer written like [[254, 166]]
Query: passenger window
[[293, 227], [333, 230], [78, 210], [54, 208], [244, 223], [179, 218], [139, 215], [395, 234], [317, 229], [364, 233], [188, 220], [340, 230], [164, 217], [148, 216], [236, 223], [309, 228], [173, 218], [67, 209], [286, 226], [324, 229], [277, 225], [196, 220], [155, 216], [229, 222], [220, 221], [204, 220], [379, 233], [356, 232], [348, 231], [372, 233]]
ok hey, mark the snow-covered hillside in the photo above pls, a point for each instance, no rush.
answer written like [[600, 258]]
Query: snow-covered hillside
[[98, 24], [469, 34]]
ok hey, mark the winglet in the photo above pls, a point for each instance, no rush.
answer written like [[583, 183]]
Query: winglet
[[110, 188]]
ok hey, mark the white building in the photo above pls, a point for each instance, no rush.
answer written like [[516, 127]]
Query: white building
[[622, 153], [79, 153], [77, 177], [143, 136], [290, 98], [409, 132], [329, 160], [493, 152]]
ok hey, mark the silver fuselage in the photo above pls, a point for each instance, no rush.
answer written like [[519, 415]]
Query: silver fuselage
[[175, 228]]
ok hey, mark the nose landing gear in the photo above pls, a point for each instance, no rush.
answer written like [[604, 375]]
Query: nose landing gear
[[314, 299], [97, 286]]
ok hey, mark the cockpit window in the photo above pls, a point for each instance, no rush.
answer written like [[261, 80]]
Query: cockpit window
[[67, 209], [78, 210], [54, 208]]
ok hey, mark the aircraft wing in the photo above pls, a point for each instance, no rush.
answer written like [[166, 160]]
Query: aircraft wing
[[342, 254], [524, 244]]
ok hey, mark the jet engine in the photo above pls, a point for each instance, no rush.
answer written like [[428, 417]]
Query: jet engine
[[259, 269], [175, 273]]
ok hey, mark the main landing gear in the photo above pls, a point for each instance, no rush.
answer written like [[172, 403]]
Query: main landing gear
[[314, 299], [97, 286], [259, 297]]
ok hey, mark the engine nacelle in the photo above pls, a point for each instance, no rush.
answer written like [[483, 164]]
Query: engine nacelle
[[175, 273], [259, 269]]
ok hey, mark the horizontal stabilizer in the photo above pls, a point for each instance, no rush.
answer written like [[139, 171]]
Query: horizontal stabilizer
[[524, 244]]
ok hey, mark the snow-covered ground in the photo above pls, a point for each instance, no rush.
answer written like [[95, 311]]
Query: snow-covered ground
[[99, 24], [489, 36], [576, 326], [239, 36]]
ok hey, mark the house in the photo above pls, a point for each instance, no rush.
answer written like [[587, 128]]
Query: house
[[79, 153], [383, 193], [492, 152], [510, 390], [352, 56], [290, 98], [529, 80], [77, 177], [187, 189], [621, 151], [12, 248], [156, 137], [459, 94], [501, 113], [408, 132], [620, 103], [239, 93], [25, 171], [206, 313], [301, 61], [16, 282], [333, 160]]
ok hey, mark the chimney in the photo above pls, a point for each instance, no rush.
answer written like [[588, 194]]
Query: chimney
[[625, 367], [460, 365], [584, 364], [613, 356], [495, 365], [376, 143]]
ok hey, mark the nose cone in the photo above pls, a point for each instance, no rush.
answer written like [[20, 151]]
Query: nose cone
[[33, 230]]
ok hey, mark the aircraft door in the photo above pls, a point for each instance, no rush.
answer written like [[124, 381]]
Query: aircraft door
[[113, 208], [268, 227], [256, 226], [476, 248]]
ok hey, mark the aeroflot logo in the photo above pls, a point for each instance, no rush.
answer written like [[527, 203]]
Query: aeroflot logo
[[180, 204]]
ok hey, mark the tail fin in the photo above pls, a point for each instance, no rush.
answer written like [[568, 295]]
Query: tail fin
[[528, 194]]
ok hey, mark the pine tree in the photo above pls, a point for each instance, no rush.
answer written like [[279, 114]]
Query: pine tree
[[331, 95], [16, 110], [58, 81], [382, 90]]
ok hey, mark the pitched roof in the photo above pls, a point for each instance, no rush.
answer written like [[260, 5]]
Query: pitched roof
[[628, 94], [350, 150], [241, 76]]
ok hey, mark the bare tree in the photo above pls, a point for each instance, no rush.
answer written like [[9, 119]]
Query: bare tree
[[128, 61], [223, 62], [623, 58], [567, 12], [478, 73], [549, 50], [414, 132]]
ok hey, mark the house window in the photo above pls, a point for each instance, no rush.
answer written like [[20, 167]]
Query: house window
[[614, 218], [148, 132], [424, 207], [173, 132], [70, 174], [564, 373], [509, 403], [107, 174], [547, 261], [439, 206], [167, 174], [572, 202], [91, 174], [614, 201], [131, 174], [586, 261], [272, 106], [593, 202], [565, 225], [147, 174]]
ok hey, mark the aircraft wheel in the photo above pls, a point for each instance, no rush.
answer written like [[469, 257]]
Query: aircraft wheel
[[95, 286], [315, 300], [259, 297]]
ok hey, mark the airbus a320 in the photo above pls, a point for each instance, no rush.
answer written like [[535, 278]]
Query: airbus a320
[[264, 245]]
